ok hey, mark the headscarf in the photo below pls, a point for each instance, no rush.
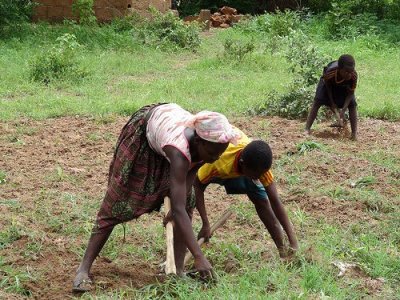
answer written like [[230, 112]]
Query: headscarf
[[213, 127]]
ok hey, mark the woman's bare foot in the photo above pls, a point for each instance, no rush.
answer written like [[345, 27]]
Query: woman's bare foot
[[82, 283]]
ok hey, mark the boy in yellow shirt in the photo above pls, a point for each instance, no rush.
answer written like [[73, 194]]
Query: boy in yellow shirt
[[245, 169]]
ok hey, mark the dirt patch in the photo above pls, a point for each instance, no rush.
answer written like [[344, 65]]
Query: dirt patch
[[70, 156]]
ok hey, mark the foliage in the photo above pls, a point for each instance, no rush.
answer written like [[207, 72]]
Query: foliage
[[341, 23], [3, 177], [168, 31], [382, 9], [305, 62], [236, 50], [84, 10], [58, 63], [14, 12], [280, 23]]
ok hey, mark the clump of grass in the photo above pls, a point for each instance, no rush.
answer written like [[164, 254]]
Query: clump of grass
[[59, 63], [308, 146], [3, 177], [166, 31]]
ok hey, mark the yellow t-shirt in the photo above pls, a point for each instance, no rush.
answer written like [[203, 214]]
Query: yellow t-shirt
[[227, 165]]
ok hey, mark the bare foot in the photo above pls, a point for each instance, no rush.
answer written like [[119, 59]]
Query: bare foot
[[307, 132], [353, 137], [82, 283]]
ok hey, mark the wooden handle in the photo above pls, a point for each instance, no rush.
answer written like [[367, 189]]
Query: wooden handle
[[170, 267], [214, 227]]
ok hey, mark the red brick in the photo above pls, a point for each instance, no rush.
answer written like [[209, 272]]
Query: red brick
[[104, 14], [67, 13], [55, 13]]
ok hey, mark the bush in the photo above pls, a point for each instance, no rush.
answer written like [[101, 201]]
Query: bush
[[306, 63], [236, 50], [382, 9], [340, 22], [166, 31], [276, 24], [14, 12], [58, 63], [84, 10]]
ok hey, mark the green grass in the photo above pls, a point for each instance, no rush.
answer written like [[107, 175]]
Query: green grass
[[122, 76]]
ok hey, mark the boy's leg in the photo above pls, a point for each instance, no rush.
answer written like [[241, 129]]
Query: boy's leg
[[95, 244], [353, 121], [312, 115]]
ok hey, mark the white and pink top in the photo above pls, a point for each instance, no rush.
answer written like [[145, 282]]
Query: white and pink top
[[166, 126]]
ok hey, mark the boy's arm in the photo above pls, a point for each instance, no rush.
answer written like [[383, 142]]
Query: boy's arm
[[346, 103], [199, 189], [281, 214], [332, 105]]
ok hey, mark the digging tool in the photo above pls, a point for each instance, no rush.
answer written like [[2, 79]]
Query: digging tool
[[214, 227], [170, 267]]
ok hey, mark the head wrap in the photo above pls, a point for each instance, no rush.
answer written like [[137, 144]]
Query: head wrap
[[213, 127]]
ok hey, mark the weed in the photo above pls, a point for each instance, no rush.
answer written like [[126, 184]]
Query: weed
[[11, 233], [363, 181], [3, 177], [84, 10], [58, 63], [166, 31], [12, 280], [236, 50], [308, 146]]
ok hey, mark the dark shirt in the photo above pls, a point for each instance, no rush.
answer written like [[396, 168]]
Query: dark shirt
[[330, 76]]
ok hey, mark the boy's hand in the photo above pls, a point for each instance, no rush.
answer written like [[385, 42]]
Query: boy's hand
[[205, 233]]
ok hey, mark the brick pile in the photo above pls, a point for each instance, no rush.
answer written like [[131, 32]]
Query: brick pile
[[105, 10], [224, 18]]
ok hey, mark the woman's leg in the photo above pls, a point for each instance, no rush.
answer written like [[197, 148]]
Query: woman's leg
[[312, 115], [95, 244]]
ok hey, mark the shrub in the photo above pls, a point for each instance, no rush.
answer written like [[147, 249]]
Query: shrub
[[306, 63], [236, 50], [167, 31], [84, 10], [14, 12], [58, 63], [280, 23]]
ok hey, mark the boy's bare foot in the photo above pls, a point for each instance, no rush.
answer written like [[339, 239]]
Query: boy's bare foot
[[307, 132], [353, 137], [82, 283]]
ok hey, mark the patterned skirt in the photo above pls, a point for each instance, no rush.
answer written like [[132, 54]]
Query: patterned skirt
[[138, 177]]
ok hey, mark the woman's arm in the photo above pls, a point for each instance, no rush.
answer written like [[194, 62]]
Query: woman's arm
[[179, 167]]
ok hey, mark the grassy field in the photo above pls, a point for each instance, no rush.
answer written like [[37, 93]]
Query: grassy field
[[56, 141], [123, 75]]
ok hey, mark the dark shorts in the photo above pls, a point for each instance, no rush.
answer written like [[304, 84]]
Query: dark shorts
[[138, 178], [339, 95], [242, 185]]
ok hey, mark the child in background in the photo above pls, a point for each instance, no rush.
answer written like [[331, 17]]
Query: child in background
[[158, 154], [336, 90], [245, 169]]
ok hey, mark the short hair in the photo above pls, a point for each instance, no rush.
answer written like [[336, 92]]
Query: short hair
[[346, 60], [257, 155]]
